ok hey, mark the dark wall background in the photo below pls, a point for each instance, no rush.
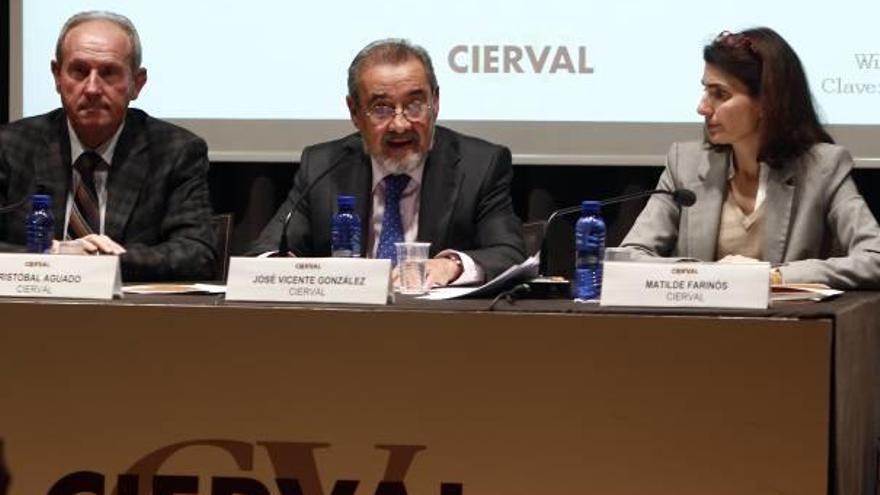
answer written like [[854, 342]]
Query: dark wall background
[[252, 192]]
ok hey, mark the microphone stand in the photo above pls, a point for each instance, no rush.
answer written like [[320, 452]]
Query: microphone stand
[[684, 197], [283, 245]]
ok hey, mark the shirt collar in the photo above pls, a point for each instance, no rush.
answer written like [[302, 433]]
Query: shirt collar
[[105, 150]]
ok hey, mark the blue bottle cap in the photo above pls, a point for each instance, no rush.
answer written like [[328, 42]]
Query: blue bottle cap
[[41, 201], [589, 206], [345, 201]]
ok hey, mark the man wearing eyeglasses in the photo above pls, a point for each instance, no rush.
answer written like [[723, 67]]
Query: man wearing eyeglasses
[[411, 179]]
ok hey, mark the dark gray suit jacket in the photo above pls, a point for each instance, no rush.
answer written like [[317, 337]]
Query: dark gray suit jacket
[[816, 224], [464, 205], [158, 205]]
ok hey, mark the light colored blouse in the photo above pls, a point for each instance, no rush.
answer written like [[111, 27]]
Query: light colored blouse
[[738, 233]]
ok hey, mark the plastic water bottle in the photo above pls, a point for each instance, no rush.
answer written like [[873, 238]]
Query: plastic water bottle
[[345, 235], [40, 224], [589, 239]]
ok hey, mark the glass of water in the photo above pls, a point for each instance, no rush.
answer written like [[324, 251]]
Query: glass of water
[[412, 258]]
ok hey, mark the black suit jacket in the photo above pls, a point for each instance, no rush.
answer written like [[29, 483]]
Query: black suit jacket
[[158, 204], [464, 202]]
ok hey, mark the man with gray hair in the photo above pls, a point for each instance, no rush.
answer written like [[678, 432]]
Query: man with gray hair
[[411, 179], [121, 182]]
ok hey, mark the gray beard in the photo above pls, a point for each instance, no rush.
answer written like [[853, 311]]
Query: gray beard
[[403, 165]]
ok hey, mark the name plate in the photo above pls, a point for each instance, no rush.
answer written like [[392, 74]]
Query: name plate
[[330, 280], [59, 275], [686, 284]]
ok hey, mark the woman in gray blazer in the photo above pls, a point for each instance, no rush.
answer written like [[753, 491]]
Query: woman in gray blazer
[[770, 184]]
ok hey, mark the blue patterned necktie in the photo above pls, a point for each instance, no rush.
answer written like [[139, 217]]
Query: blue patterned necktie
[[392, 225]]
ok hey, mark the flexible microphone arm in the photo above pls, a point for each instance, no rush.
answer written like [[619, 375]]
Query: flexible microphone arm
[[684, 197], [14, 206], [41, 189], [350, 145]]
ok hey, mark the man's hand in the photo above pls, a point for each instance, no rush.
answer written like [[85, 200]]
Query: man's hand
[[439, 272], [90, 244], [442, 272]]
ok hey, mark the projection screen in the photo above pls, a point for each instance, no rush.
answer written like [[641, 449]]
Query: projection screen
[[559, 81]]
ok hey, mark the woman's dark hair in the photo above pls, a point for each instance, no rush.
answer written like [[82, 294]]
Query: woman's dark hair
[[772, 72]]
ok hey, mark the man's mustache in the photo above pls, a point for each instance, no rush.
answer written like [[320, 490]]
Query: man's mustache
[[409, 136]]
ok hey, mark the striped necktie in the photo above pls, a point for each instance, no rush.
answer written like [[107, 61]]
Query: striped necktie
[[85, 216], [392, 225]]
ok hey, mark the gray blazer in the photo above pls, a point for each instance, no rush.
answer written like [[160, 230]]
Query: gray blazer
[[817, 225]]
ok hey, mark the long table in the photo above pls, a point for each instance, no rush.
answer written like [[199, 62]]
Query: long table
[[194, 395]]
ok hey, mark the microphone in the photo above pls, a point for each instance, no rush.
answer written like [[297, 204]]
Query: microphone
[[352, 143], [683, 197]]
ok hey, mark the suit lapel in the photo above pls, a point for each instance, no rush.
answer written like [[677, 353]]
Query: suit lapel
[[54, 171], [128, 173], [440, 185], [704, 217], [778, 205]]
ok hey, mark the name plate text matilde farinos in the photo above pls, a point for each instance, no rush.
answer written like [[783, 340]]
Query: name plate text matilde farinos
[[686, 284]]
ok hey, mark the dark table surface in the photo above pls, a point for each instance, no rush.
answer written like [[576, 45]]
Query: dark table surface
[[786, 309]]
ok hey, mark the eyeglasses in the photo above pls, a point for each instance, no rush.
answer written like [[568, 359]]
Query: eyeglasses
[[414, 111]]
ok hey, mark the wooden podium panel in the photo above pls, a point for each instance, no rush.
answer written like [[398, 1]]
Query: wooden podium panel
[[444, 402]]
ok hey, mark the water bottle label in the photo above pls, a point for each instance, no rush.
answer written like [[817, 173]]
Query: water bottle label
[[590, 248], [345, 239], [587, 259]]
